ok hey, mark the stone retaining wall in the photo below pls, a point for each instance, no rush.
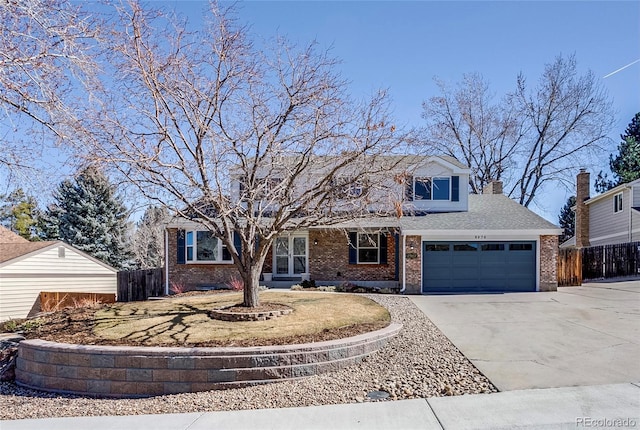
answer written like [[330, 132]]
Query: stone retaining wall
[[120, 371]]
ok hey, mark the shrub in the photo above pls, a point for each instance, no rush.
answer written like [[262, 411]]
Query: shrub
[[235, 284], [14, 326], [177, 287], [87, 302], [308, 284]]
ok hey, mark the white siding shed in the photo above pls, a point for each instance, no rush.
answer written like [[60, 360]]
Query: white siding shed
[[28, 268]]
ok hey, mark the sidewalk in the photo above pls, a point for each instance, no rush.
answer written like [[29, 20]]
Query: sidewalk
[[598, 406]]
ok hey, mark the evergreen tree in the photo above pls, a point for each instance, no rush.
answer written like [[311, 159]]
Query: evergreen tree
[[18, 213], [48, 225], [567, 219], [626, 165], [90, 217], [148, 240]]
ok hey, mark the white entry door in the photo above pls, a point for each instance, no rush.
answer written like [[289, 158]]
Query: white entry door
[[290, 256]]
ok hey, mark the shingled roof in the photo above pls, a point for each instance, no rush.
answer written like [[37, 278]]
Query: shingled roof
[[486, 212], [14, 246], [9, 251], [7, 236]]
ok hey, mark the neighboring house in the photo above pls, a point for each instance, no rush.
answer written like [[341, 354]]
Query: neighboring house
[[606, 219], [452, 242], [27, 268]]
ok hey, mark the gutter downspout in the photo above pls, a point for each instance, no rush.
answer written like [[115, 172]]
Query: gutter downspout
[[630, 214], [404, 264], [166, 262]]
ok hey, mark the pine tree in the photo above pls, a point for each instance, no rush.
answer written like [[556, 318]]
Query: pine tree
[[626, 165], [18, 213], [90, 217], [567, 219], [48, 225], [148, 240]]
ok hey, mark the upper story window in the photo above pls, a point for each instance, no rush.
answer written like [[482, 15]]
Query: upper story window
[[202, 246], [435, 188], [347, 187], [617, 203]]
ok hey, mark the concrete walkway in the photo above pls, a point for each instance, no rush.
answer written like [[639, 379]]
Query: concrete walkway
[[576, 336], [571, 408]]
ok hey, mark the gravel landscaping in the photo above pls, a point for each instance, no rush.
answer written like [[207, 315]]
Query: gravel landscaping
[[418, 362]]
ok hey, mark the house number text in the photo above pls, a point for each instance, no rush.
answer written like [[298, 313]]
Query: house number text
[[480, 236]]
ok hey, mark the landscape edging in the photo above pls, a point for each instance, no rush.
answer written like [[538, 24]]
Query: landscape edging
[[123, 371]]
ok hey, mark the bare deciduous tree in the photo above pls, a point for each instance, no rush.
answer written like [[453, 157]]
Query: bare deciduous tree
[[250, 142], [529, 138], [468, 124], [46, 57], [148, 238]]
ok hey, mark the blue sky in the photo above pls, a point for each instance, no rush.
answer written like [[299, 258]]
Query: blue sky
[[403, 45]]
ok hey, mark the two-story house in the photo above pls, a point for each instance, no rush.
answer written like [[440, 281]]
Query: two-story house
[[609, 218], [445, 241]]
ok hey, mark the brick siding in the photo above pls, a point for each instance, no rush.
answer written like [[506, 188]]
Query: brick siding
[[414, 265], [548, 263], [193, 276], [329, 259]]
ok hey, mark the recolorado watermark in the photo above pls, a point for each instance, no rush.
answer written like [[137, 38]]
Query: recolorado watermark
[[590, 422]]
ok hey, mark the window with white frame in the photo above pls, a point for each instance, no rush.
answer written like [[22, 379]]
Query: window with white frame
[[435, 188], [368, 248], [203, 247], [617, 203]]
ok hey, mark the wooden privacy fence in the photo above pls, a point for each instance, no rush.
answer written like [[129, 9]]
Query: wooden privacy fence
[[137, 285], [596, 262], [569, 267]]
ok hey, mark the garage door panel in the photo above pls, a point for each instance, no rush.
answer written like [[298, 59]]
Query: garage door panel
[[479, 266]]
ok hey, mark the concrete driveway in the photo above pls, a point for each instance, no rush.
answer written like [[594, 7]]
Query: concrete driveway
[[576, 336]]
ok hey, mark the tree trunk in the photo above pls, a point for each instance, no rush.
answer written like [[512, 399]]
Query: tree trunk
[[251, 286]]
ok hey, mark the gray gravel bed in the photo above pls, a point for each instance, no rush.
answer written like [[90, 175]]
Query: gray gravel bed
[[419, 362]]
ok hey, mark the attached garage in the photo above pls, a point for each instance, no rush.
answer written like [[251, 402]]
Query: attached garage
[[472, 266]]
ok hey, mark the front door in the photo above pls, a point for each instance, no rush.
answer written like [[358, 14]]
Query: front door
[[290, 256]]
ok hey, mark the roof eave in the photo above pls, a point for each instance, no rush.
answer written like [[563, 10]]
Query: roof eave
[[453, 233]]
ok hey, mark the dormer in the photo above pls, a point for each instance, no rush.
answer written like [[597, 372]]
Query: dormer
[[436, 184]]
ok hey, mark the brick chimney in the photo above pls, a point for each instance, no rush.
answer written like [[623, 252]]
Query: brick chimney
[[583, 186], [493, 187]]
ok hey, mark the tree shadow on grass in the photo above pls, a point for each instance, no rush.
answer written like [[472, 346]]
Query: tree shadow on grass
[[175, 325]]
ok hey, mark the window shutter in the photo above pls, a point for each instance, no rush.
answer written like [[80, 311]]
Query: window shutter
[[408, 189], [180, 257], [455, 188], [396, 240], [237, 243], [383, 248], [353, 251]]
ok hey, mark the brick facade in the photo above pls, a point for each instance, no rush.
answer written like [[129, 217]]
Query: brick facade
[[193, 276], [413, 266], [583, 186], [548, 263], [329, 259], [329, 262]]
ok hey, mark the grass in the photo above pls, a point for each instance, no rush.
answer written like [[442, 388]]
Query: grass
[[185, 321]]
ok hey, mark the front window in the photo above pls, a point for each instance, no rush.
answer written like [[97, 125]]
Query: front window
[[202, 246], [436, 188], [617, 203], [368, 248]]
